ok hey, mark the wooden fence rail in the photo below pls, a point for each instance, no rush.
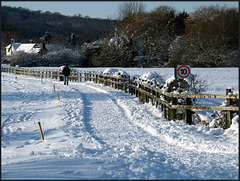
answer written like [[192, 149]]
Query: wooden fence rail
[[143, 91]]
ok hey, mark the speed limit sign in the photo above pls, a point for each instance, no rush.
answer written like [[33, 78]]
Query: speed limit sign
[[183, 71]]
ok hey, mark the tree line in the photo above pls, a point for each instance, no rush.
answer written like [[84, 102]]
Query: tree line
[[208, 37], [23, 24], [163, 37]]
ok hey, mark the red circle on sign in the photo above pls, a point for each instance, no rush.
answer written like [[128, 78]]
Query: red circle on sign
[[183, 66]]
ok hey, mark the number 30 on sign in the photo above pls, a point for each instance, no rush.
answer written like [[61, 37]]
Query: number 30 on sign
[[183, 71]]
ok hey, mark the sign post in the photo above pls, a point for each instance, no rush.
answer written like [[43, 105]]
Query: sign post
[[175, 77], [183, 71]]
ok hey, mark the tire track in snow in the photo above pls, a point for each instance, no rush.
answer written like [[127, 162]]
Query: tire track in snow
[[116, 124], [87, 109], [126, 120], [78, 119], [137, 141], [130, 117], [183, 141]]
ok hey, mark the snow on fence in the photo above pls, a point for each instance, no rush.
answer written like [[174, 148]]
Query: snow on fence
[[144, 92]]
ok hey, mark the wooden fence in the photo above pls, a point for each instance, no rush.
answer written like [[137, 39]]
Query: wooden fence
[[168, 101]]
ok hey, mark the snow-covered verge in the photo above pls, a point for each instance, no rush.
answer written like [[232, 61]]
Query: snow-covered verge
[[96, 132]]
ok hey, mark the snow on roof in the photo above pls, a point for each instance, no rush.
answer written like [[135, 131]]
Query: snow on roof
[[26, 47], [34, 50], [29, 47]]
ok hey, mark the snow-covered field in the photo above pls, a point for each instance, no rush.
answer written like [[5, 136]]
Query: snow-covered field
[[97, 132]]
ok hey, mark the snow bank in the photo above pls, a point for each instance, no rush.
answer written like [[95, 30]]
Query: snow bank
[[109, 71], [115, 72], [152, 78], [235, 123]]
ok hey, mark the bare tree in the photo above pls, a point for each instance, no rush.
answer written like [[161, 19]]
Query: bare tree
[[129, 9]]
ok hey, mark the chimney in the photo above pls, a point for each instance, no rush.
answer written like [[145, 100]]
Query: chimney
[[43, 46], [12, 41], [31, 40], [43, 49]]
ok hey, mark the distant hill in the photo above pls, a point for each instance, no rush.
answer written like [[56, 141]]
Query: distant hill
[[34, 24]]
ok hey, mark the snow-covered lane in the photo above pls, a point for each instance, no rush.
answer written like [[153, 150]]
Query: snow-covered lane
[[96, 132]]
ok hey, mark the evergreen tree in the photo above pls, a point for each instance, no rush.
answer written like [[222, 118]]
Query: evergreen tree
[[180, 23], [47, 38]]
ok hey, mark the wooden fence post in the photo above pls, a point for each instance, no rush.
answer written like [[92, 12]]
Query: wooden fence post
[[174, 111], [189, 112], [115, 83], [135, 87], [228, 115], [95, 77], [146, 95], [164, 110], [85, 74], [79, 77], [128, 84]]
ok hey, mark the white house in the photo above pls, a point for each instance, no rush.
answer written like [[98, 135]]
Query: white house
[[27, 48]]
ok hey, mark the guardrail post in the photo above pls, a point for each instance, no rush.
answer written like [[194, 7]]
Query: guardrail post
[[228, 115]]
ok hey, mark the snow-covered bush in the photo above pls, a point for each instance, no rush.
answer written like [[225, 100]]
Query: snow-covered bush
[[115, 72], [153, 79], [193, 84], [110, 56], [52, 58], [219, 117], [24, 59], [65, 56], [5, 59], [190, 85], [92, 48], [109, 71]]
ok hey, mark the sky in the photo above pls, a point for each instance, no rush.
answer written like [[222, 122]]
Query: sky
[[107, 9]]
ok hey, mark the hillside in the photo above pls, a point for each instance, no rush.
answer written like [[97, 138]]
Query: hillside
[[34, 24]]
